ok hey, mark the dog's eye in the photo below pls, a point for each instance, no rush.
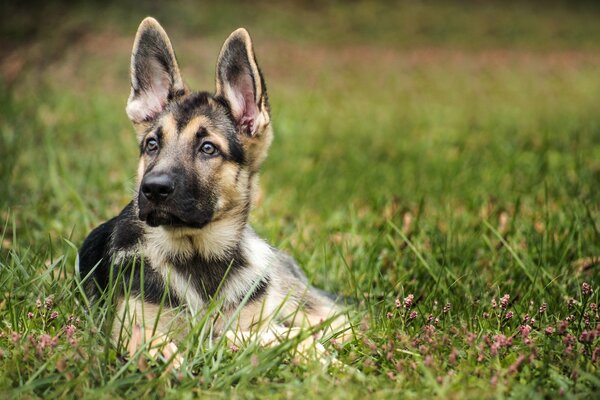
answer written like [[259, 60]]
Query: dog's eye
[[151, 145], [208, 148]]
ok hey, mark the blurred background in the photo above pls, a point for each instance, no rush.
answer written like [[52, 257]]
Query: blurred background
[[383, 111]]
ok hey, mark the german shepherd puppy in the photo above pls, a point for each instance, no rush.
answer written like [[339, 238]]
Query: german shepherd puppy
[[184, 241]]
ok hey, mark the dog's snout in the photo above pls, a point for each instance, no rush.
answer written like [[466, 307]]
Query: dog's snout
[[157, 188]]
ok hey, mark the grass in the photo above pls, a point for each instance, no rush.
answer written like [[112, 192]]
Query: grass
[[435, 150]]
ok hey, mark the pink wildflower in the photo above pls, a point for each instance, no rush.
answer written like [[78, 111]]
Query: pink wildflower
[[389, 315], [408, 301], [587, 337], [29, 315], [509, 315], [398, 303], [453, 356], [70, 330], [447, 308], [49, 302], [562, 326], [543, 308], [525, 330], [586, 289], [485, 315], [54, 315], [494, 304], [15, 337], [514, 367], [413, 315], [504, 301], [549, 330]]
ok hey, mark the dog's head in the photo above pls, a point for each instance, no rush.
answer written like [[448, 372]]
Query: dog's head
[[200, 152]]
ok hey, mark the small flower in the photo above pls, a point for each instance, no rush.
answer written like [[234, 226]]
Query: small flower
[[471, 338], [234, 348], [586, 289], [15, 337], [525, 330], [593, 307], [49, 302], [587, 336], [54, 315], [38, 303], [562, 326], [447, 308], [408, 301], [413, 315], [70, 330], [509, 315], [429, 329], [571, 303], [514, 367], [428, 361], [494, 304], [549, 330], [543, 308], [485, 315], [398, 303], [526, 318], [29, 315], [453, 356], [504, 301], [389, 315]]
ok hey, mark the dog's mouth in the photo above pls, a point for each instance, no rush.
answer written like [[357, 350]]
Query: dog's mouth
[[163, 218]]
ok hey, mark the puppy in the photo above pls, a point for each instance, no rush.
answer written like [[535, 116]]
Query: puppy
[[184, 241]]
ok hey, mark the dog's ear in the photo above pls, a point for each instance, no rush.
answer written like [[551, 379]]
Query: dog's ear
[[240, 82], [155, 76]]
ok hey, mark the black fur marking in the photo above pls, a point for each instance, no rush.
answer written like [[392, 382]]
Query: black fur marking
[[152, 47], [154, 288], [127, 233], [189, 108], [94, 256], [259, 291], [236, 151], [121, 233], [207, 274]]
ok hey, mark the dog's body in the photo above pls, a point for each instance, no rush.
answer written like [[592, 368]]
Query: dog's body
[[184, 241]]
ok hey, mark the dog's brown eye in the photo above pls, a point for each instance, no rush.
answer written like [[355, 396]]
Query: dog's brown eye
[[151, 145], [208, 148]]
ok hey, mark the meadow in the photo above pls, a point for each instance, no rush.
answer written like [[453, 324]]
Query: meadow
[[439, 162]]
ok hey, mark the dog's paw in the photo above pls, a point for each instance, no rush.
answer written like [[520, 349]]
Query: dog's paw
[[307, 349], [159, 348]]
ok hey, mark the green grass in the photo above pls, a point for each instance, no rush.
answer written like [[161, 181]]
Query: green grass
[[439, 150]]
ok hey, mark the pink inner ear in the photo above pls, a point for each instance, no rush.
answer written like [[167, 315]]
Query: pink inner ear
[[244, 93], [150, 102]]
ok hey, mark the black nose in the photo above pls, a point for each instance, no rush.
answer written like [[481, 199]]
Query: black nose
[[157, 188]]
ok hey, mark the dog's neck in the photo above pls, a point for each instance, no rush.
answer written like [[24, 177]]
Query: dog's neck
[[214, 241]]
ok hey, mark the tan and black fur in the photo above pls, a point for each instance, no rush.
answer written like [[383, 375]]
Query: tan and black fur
[[184, 241]]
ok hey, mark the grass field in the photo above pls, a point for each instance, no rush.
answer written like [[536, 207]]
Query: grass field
[[439, 150]]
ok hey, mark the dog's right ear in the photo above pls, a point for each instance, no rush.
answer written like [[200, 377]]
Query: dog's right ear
[[155, 76]]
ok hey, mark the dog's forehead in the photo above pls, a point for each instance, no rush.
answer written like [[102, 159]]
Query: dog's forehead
[[202, 106]]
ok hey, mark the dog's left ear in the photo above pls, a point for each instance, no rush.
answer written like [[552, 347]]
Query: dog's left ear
[[155, 76], [240, 82]]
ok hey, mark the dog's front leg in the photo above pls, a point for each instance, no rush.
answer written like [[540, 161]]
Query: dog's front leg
[[141, 324]]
